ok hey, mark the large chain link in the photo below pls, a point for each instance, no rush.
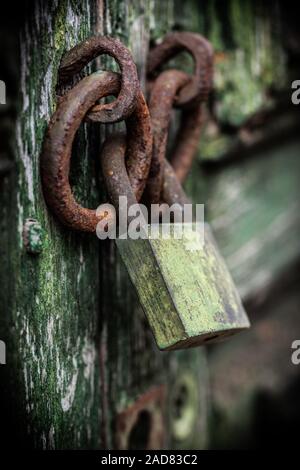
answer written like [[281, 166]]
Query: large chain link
[[149, 173]]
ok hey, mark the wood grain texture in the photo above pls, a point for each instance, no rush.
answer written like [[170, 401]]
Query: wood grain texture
[[131, 361], [254, 384], [79, 350], [253, 208], [49, 301]]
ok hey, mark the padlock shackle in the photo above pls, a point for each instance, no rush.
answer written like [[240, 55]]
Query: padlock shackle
[[115, 174], [112, 158], [172, 191]]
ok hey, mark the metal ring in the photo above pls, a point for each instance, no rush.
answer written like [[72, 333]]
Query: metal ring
[[56, 153], [162, 99], [202, 52], [80, 55], [187, 141], [163, 95], [139, 143]]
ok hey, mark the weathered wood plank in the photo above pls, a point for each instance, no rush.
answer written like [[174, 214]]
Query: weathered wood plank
[[253, 207], [49, 301], [70, 373], [78, 347], [249, 62], [254, 384], [132, 362]]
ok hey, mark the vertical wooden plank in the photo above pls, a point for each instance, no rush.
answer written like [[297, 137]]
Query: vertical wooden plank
[[76, 355], [131, 362], [49, 300]]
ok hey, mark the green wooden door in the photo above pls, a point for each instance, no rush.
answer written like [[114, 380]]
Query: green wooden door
[[79, 351]]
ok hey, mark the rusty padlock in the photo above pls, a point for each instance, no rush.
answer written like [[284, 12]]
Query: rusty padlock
[[184, 287]]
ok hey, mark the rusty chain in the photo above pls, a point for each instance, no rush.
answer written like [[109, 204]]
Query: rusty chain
[[149, 173], [202, 53], [57, 147], [79, 56], [173, 88], [161, 101]]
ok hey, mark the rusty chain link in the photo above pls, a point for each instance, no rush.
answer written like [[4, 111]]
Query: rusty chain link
[[57, 147], [171, 88], [162, 97], [79, 56], [202, 53]]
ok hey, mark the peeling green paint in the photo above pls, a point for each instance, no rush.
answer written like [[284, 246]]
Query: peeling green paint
[[249, 59], [53, 304], [33, 236], [63, 306]]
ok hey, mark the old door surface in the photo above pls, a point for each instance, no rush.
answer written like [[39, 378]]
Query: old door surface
[[79, 351]]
